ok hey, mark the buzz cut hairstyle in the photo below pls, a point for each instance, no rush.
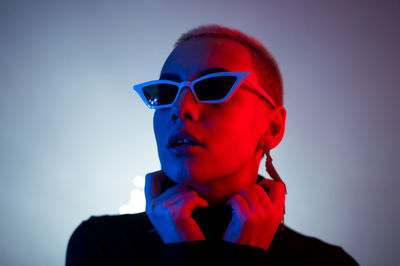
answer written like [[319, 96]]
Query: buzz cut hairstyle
[[269, 76]]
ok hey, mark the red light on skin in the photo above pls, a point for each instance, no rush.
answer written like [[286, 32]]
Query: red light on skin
[[223, 169], [232, 134]]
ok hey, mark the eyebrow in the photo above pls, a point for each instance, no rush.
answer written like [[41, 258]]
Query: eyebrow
[[177, 78]]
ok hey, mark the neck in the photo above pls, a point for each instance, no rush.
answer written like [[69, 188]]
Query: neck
[[221, 189]]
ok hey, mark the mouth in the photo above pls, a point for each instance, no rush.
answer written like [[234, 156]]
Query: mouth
[[183, 139]]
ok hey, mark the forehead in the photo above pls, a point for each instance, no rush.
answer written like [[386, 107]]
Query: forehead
[[204, 55]]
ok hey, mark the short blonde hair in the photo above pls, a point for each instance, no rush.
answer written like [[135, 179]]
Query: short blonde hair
[[268, 74]]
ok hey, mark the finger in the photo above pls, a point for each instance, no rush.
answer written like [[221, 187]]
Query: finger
[[276, 191], [262, 195], [251, 197], [178, 196], [239, 205], [195, 202], [169, 194], [152, 187], [186, 205], [155, 184]]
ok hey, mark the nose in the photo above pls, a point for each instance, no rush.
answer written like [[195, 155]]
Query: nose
[[185, 107]]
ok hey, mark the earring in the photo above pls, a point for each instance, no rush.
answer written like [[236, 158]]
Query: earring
[[275, 176]]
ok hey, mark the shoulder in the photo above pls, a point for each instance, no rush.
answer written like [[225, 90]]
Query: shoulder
[[112, 238], [311, 250], [134, 223], [113, 227]]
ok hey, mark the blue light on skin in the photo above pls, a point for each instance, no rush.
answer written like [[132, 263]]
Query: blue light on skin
[[233, 133]]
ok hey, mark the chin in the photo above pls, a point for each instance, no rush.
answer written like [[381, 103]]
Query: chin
[[179, 174], [186, 175]]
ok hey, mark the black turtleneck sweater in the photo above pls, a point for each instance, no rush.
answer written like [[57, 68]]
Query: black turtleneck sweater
[[132, 240]]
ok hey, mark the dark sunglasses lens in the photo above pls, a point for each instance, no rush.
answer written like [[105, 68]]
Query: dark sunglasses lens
[[160, 94], [214, 88]]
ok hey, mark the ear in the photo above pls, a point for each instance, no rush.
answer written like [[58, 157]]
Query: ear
[[275, 129]]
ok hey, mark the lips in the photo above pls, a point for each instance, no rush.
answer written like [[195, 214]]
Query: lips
[[183, 139]]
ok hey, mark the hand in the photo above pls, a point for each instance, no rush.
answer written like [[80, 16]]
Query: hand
[[255, 215], [170, 210]]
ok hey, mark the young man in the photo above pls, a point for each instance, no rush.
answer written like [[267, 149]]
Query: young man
[[219, 108]]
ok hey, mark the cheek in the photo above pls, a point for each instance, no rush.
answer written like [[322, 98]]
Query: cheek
[[235, 135], [239, 122], [159, 123]]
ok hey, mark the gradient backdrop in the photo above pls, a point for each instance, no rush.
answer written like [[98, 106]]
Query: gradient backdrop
[[74, 134]]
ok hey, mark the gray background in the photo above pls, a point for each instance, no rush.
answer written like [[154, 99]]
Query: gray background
[[74, 134]]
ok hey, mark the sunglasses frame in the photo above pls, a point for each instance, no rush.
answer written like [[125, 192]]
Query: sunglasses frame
[[240, 77]]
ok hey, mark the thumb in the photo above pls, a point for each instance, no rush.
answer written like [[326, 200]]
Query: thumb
[[193, 204]]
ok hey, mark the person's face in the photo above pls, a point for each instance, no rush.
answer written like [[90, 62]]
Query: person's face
[[221, 139]]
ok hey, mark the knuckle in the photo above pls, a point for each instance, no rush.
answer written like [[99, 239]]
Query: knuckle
[[255, 186], [164, 204], [259, 188], [151, 205], [175, 214], [246, 218], [191, 193], [280, 185]]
